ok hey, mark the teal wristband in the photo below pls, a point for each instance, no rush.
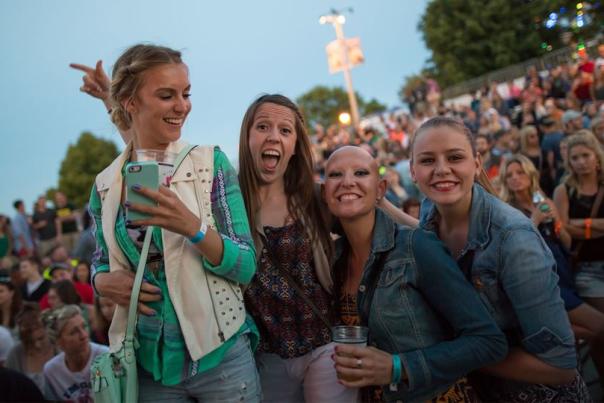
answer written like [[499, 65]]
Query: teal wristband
[[397, 369], [197, 238], [200, 234]]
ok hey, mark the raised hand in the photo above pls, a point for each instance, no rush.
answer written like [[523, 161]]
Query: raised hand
[[96, 81], [170, 212]]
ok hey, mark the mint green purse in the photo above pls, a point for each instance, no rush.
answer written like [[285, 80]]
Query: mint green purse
[[114, 376]]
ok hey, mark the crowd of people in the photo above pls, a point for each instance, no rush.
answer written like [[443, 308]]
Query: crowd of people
[[482, 294], [51, 323]]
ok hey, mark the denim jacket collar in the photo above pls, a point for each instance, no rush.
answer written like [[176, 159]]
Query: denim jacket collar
[[480, 218], [382, 238]]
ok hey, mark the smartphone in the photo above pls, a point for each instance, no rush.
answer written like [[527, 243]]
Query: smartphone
[[145, 174]]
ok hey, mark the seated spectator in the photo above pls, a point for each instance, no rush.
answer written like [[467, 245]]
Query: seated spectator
[[572, 121], [60, 272], [67, 375], [531, 148], [490, 162], [10, 302], [34, 349], [103, 315], [62, 293], [597, 127], [81, 274], [35, 286]]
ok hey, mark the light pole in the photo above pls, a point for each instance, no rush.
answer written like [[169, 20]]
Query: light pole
[[337, 20]]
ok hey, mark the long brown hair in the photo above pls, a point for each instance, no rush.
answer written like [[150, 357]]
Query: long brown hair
[[302, 198], [460, 127], [16, 301], [28, 321]]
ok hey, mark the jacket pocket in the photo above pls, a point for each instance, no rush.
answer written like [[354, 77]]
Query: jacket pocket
[[542, 341], [392, 273]]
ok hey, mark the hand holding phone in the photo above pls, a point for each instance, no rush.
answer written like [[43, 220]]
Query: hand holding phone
[[144, 174]]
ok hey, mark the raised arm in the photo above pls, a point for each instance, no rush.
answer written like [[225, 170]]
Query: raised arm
[[97, 84], [529, 281], [397, 214]]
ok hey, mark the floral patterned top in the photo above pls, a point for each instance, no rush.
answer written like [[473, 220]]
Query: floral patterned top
[[287, 324]]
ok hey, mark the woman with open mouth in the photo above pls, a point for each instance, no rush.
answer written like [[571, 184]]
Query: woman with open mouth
[[289, 298]]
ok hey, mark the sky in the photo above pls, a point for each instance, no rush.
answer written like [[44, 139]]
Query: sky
[[235, 50]]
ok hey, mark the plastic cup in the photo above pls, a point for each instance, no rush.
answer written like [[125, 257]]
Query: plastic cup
[[350, 336], [165, 162]]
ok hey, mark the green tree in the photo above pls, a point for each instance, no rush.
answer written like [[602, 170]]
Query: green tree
[[83, 161], [323, 104], [472, 37]]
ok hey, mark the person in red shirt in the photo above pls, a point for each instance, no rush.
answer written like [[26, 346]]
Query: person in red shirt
[[61, 271]]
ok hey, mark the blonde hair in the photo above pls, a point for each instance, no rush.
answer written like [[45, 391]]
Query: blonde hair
[[527, 166], [524, 133], [587, 139], [56, 319], [127, 76]]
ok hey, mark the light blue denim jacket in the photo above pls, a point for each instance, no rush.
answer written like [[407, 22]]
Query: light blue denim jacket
[[424, 310], [513, 270]]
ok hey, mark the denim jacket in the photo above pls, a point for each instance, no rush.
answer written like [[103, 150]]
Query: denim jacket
[[423, 309], [513, 270]]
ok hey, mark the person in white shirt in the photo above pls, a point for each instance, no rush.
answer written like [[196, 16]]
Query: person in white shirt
[[67, 375]]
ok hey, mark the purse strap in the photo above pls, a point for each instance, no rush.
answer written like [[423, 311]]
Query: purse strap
[[293, 283], [140, 270], [136, 287], [597, 202]]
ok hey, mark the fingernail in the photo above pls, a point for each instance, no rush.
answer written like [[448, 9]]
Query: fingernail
[[136, 187], [153, 313], [127, 204]]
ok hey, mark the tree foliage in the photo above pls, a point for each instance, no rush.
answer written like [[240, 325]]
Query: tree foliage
[[82, 162], [471, 37], [323, 104]]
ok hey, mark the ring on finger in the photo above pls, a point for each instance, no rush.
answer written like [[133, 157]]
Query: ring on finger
[[359, 363]]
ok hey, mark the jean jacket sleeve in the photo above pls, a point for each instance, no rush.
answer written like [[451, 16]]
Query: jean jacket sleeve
[[477, 340], [239, 256], [531, 284]]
